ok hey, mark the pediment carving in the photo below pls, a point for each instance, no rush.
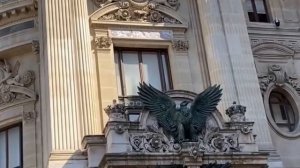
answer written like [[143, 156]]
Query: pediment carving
[[139, 11], [174, 4], [15, 86], [272, 49]]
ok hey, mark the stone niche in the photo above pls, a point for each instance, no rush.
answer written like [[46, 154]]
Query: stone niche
[[133, 138]]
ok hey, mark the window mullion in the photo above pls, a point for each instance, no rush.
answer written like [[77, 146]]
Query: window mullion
[[121, 69], [21, 145], [254, 10], [288, 117], [7, 150], [141, 66], [266, 10], [161, 71]]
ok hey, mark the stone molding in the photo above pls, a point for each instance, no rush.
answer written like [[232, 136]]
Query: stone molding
[[18, 10], [293, 98], [289, 46]]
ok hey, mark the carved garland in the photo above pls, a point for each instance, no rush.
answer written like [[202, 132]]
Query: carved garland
[[277, 75], [142, 11]]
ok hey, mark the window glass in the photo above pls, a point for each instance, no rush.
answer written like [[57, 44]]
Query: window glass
[[249, 6], [257, 10], [135, 66], [2, 149], [131, 72], [151, 74], [260, 6], [14, 147], [10, 148]]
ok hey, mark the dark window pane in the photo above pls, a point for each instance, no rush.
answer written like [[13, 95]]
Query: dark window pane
[[263, 18], [251, 16]]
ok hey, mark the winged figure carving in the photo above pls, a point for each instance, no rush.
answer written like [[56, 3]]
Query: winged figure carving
[[183, 123]]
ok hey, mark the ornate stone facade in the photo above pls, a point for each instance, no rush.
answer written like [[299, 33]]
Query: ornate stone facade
[[59, 71]]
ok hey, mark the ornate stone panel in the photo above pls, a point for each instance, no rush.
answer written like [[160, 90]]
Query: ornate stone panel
[[276, 74], [130, 10]]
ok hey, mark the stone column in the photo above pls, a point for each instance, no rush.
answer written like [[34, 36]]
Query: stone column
[[230, 61], [67, 76]]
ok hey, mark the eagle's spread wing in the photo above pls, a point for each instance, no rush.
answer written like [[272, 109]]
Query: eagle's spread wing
[[204, 104], [161, 106]]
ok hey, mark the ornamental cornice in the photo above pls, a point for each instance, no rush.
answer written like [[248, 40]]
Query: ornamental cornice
[[17, 10]]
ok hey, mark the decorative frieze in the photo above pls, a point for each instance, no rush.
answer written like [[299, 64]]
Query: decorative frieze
[[103, 42], [277, 75], [141, 11], [180, 45]]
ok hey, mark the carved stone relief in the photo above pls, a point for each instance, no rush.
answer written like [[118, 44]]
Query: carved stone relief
[[180, 45], [35, 47], [293, 44], [277, 75], [13, 85], [174, 4], [141, 11], [103, 42]]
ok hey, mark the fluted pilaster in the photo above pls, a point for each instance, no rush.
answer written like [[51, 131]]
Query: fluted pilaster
[[218, 59], [231, 62], [69, 74]]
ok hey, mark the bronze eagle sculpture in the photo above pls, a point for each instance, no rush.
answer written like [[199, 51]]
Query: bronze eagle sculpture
[[182, 123]]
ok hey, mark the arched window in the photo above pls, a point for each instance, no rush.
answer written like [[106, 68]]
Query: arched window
[[282, 111]]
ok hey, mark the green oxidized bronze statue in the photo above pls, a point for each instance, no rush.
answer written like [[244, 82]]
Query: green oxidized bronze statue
[[183, 123]]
